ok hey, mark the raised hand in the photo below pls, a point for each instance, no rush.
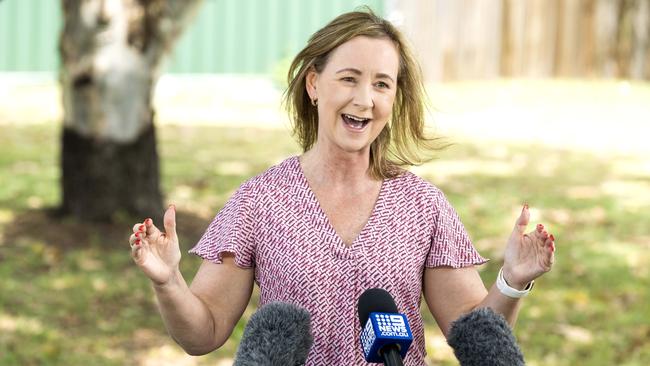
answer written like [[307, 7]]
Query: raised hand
[[157, 253], [527, 256]]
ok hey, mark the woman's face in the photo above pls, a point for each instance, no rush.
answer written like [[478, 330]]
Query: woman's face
[[355, 92]]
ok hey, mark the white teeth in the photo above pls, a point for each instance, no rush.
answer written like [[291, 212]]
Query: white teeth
[[356, 118], [355, 122]]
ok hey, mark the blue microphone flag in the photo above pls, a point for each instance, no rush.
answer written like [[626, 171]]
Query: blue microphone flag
[[383, 329]]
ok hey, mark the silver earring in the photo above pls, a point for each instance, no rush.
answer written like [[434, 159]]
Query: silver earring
[[314, 102]]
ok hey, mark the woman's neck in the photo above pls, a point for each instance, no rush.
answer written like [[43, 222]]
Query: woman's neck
[[336, 168]]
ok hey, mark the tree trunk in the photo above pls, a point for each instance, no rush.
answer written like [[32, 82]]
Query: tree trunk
[[111, 51]]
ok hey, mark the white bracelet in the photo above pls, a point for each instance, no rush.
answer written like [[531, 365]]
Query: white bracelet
[[505, 289]]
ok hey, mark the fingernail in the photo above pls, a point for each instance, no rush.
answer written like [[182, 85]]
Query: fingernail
[[137, 241], [148, 221], [141, 228], [552, 237], [540, 227], [545, 233], [137, 235]]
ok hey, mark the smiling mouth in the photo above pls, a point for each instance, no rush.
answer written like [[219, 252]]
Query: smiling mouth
[[355, 122]]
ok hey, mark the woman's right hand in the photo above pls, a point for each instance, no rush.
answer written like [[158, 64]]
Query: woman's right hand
[[157, 253]]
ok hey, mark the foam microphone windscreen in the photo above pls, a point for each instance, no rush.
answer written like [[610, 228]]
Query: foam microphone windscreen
[[278, 334], [484, 338], [375, 300]]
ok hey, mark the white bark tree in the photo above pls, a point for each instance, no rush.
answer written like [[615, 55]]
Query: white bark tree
[[111, 52]]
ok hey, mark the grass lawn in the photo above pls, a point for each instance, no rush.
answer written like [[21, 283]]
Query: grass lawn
[[70, 294]]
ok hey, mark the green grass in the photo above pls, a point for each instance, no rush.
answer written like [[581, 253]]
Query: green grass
[[70, 295]]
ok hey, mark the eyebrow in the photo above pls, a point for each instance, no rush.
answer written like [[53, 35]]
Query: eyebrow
[[380, 75]]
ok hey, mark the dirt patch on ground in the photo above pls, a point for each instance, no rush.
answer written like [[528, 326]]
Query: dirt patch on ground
[[66, 233]]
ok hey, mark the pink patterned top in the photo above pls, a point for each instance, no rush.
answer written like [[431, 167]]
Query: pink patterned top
[[275, 225]]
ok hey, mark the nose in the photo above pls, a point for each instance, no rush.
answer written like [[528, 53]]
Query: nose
[[363, 97]]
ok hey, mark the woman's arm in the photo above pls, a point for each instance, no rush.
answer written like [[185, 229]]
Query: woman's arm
[[452, 292], [201, 318]]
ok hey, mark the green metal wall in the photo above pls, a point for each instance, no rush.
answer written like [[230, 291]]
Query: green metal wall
[[227, 36], [29, 32]]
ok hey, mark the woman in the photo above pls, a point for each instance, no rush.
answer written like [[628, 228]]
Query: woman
[[319, 229]]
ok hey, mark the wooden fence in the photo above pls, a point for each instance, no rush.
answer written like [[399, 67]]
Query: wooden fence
[[476, 39]]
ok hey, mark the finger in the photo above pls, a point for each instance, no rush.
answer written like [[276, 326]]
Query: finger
[[551, 248], [150, 228], [551, 243], [138, 227], [136, 250], [522, 221], [538, 233], [541, 236], [135, 242], [169, 220]]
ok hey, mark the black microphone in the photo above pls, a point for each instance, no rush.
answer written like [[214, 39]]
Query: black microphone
[[385, 334], [484, 338], [278, 334]]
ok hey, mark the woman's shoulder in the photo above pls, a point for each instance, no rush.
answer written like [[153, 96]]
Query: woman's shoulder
[[414, 184], [277, 176], [418, 195]]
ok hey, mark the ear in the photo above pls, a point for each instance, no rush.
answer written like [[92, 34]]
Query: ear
[[310, 83]]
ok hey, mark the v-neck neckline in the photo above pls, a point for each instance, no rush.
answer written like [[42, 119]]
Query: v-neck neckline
[[328, 223]]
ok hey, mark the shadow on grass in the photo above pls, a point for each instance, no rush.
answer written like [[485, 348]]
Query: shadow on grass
[[64, 233], [72, 295]]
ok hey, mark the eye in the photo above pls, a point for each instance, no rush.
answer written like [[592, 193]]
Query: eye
[[349, 79], [383, 85]]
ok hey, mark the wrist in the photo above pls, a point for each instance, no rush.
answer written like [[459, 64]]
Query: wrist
[[508, 278], [175, 279], [508, 290]]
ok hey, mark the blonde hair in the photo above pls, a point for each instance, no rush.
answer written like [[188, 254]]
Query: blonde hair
[[403, 139]]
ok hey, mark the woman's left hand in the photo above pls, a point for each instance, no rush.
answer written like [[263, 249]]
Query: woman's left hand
[[527, 256]]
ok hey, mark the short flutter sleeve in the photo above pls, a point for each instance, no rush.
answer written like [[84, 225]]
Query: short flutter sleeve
[[450, 242], [232, 230]]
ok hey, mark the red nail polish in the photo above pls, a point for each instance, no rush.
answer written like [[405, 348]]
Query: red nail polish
[[137, 241], [137, 235], [141, 228], [552, 237]]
